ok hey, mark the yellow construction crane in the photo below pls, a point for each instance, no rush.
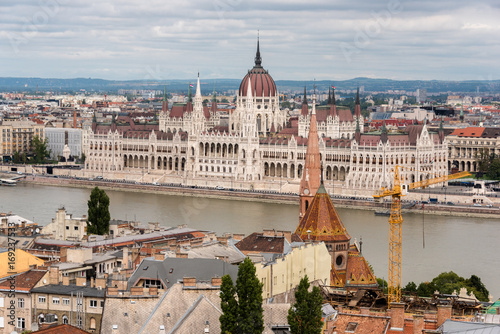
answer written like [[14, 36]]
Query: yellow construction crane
[[395, 221]]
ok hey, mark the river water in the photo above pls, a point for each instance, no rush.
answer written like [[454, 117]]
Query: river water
[[431, 244]]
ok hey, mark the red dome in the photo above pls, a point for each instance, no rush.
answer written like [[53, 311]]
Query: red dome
[[262, 83]]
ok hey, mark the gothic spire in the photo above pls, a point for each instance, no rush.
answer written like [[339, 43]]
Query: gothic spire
[[305, 110], [198, 90], [190, 95], [357, 106], [258, 59], [329, 96]]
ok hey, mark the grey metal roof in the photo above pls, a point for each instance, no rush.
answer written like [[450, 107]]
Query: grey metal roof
[[172, 270], [459, 327], [68, 289], [138, 237]]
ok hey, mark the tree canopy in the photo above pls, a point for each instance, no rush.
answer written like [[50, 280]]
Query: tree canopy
[[242, 304], [447, 282], [98, 212], [304, 317], [40, 150]]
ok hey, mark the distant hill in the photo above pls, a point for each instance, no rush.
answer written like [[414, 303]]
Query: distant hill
[[224, 85]]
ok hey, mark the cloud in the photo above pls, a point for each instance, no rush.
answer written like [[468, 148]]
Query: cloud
[[299, 40]]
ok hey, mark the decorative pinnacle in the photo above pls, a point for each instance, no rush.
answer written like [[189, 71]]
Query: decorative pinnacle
[[258, 59]]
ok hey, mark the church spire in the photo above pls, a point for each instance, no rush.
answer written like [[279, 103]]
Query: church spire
[[305, 109], [329, 96], [258, 59], [198, 90], [357, 107], [311, 175]]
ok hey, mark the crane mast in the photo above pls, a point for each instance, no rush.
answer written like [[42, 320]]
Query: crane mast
[[396, 222]]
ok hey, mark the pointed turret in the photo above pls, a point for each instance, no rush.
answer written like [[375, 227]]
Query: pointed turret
[[164, 107], [258, 59], [462, 112], [329, 101], [189, 104], [357, 134], [441, 131], [333, 108], [383, 136], [198, 90], [305, 108], [312, 170], [357, 107], [213, 107]]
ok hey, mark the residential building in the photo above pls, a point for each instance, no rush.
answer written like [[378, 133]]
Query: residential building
[[18, 262], [16, 136], [66, 227], [80, 306], [21, 300]]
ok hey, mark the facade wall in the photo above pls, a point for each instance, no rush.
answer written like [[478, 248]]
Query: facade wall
[[16, 136], [463, 151], [68, 308], [65, 227], [22, 310], [285, 274], [56, 141]]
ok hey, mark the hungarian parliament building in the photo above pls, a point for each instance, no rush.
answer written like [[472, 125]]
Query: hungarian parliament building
[[260, 146]]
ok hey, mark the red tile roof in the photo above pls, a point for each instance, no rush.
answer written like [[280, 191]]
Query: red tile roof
[[468, 132], [25, 281], [61, 329]]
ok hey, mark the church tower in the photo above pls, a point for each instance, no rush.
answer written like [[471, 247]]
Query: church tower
[[311, 175], [198, 118]]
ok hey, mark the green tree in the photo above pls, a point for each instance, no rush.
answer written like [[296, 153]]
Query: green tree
[[98, 212], [242, 304], [16, 157], [229, 306], [304, 317], [82, 158], [40, 150], [475, 285], [249, 291], [410, 287], [494, 169]]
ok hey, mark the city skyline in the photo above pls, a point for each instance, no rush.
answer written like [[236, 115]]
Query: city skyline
[[161, 41]]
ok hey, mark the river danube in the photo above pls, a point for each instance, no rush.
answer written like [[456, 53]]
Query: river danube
[[431, 244]]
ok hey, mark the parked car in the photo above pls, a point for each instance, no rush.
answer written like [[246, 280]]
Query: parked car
[[477, 204], [219, 188]]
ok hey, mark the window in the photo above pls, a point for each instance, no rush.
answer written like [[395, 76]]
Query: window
[[2, 322], [55, 300], [21, 323], [67, 227], [76, 228], [20, 302], [41, 299], [93, 303], [102, 303], [65, 319], [92, 323], [351, 327], [65, 301]]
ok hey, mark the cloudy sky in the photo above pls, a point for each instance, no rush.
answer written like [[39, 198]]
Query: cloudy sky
[[300, 40]]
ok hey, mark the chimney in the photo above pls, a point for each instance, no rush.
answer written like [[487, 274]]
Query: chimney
[[65, 280], [125, 258], [397, 314], [189, 281], [443, 313], [268, 232], [216, 281], [64, 254], [418, 323], [287, 235], [159, 256], [54, 275], [81, 281], [222, 240]]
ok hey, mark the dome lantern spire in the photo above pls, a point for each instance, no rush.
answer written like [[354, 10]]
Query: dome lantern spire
[[258, 59]]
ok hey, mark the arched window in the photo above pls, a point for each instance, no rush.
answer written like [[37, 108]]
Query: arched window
[[65, 320], [92, 323]]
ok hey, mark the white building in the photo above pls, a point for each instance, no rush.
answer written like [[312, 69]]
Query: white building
[[58, 137], [65, 227]]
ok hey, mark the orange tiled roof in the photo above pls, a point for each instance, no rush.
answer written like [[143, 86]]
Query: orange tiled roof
[[25, 281], [468, 132], [62, 329], [359, 273], [322, 220], [361, 324]]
